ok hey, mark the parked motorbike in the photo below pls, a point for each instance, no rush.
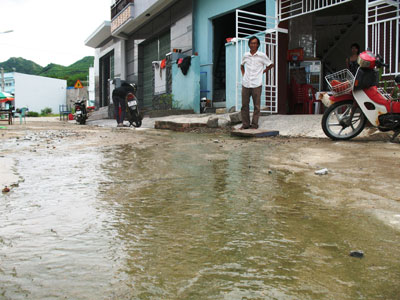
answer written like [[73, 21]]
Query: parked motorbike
[[81, 113], [132, 107], [356, 99]]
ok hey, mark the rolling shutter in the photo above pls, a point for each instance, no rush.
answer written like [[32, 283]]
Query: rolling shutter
[[154, 50]]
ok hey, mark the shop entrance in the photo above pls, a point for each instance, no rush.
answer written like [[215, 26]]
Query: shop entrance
[[325, 36]]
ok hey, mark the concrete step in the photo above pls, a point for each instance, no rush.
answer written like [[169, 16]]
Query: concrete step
[[101, 113]]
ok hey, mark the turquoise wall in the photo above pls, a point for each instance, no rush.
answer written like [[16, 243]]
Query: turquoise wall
[[203, 13], [186, 88]]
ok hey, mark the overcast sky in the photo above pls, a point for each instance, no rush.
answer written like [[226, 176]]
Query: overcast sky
[[50, 31]]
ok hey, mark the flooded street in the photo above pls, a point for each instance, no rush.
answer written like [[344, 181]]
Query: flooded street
[[124, 214]]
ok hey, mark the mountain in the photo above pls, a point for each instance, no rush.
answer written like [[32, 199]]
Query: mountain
[[78, 70], [21, 65]]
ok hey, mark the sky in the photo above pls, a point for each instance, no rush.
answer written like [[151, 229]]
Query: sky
[[50, 31]]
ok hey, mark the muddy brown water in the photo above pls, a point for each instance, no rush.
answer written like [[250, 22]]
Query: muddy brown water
[[197, 217]]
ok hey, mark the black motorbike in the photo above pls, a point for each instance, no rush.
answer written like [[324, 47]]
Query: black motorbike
[[81, 114], [132, 107]]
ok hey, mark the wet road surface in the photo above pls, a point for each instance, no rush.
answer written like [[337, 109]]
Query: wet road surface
[[191, 217]]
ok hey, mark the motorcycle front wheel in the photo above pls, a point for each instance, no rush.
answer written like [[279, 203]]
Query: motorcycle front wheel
[[343, 121]]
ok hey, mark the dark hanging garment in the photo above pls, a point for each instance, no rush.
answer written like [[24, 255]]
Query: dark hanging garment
[[185, 65]]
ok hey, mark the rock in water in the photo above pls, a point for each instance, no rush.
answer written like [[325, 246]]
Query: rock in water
[[357, 253], [321, 172]]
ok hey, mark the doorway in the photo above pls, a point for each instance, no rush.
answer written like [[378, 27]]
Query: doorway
[[106, 73], [326, 37], [225, 27], [336, 29]]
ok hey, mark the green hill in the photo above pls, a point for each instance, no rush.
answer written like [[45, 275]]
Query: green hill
[[21, 65], [78, 70]]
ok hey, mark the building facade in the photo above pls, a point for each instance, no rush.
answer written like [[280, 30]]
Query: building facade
[[140, 33], [214, 34]]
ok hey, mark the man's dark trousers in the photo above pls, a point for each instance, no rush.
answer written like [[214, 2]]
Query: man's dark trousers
[[255, 93]]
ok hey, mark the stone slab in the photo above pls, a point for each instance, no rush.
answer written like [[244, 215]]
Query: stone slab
[[177, 126], [254, 133]]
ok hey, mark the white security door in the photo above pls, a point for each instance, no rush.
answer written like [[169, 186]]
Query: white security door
[[249, 24], [383, 32], [288, 9]]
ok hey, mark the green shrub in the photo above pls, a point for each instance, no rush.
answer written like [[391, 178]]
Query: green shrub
[[32, 114], [45, 111]]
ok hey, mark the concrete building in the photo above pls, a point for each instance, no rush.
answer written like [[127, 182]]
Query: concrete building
[[217, 31], [35, 92], [139, 34]]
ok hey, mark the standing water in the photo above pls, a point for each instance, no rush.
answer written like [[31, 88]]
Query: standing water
[[186, 219]]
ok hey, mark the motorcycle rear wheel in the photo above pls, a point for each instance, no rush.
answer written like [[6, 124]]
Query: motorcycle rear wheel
[[81, 120], [135, 118], [338, 122], [138, 123]]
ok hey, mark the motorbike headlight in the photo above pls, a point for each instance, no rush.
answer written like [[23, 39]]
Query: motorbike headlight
[[363, 63]]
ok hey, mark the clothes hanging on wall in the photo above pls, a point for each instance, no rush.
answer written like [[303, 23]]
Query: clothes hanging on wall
[[160, 75], [185, 65], [163, 63]]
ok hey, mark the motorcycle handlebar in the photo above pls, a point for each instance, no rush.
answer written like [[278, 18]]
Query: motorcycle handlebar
[[381, 63]]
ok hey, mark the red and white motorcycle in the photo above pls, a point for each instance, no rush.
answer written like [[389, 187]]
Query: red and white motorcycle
[[357, 99]]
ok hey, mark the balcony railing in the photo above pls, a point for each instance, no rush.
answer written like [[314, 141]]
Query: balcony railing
[[119, 6], [123, 16]]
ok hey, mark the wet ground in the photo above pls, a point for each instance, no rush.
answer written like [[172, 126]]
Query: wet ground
[[101, 213]]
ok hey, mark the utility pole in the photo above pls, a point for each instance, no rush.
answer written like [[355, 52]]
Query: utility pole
[[2, 79], [2, 70]]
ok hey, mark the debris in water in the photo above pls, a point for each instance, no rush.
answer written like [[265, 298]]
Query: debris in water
[[357, 253], [323, 171]]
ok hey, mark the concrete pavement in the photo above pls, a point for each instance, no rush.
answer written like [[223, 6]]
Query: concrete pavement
[[308, 126], [287, 125]]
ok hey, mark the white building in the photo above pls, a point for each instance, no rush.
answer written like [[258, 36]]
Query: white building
[[36, 92]]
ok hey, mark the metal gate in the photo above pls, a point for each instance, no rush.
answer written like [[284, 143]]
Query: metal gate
[[383, 32], [248, 24], [288, 9]]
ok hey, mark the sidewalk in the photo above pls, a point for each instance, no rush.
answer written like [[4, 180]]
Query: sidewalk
[[287, 125], [308, 126]]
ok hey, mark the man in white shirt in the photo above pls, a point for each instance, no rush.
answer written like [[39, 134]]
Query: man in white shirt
[[254, 65]]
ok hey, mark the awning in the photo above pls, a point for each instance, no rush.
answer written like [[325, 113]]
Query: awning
[[100, 35], [4, 97]]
